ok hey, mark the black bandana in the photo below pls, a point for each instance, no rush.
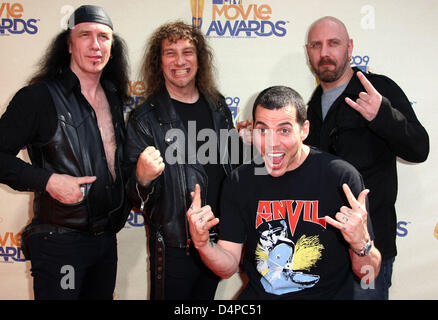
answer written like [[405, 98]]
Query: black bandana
[[89, 13]]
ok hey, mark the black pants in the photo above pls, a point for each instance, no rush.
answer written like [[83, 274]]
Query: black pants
[[185, 276], [73, 265]]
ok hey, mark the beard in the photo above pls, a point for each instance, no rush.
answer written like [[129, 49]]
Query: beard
[[331, 75]]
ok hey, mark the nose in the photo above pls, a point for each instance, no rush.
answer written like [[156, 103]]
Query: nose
[[180, 60], [275, 139], [272, 140], [324, 50], [94, 43]]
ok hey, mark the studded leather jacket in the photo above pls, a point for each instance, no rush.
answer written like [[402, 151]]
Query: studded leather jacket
[[166, 200]]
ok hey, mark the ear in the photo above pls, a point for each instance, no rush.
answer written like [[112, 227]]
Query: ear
[[350, 47], [69, 43], [305, 130]]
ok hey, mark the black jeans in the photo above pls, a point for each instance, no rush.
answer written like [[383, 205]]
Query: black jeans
[[379, 289], [73, 265], [185, 275]]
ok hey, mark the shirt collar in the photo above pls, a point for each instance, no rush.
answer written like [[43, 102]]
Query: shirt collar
[[354, 85], [69, 80]]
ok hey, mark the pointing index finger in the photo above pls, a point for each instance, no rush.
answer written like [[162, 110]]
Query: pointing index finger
[[366, 83], [196, 198]]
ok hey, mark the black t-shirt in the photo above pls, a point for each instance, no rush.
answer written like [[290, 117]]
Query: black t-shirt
[[290, 251], [198, 115]]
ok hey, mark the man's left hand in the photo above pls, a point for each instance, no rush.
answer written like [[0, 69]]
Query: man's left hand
[[369, 102], [352, 222]]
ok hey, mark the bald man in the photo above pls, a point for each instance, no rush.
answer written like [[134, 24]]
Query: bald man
[[367, 120]]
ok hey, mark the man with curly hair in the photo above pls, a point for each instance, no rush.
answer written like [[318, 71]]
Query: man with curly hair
[[181, 96]]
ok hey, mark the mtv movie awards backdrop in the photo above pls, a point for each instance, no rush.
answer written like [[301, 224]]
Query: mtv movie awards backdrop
[[257, 43]]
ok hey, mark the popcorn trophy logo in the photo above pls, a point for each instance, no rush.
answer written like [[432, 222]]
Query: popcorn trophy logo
[[435, 233], [197, 7]]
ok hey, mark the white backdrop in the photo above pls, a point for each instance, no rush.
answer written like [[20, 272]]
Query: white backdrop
[[257, 44]]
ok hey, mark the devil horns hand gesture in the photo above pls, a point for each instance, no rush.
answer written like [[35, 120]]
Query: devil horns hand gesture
[[352, 222], [369, 102]]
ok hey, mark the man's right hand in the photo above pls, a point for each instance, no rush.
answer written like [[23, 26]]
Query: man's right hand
[[245, 129], [150, 166], [200, 219], [67, 189]]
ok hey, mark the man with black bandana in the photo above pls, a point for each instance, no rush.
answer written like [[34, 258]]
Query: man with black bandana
[[70, 118]]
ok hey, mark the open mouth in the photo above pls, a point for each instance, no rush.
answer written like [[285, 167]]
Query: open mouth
[[181, 72], [276, 159]]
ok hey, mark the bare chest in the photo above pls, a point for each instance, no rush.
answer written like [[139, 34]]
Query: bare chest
[[104, 119]]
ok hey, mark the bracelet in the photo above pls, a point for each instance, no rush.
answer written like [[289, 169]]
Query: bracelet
[[365, 250]]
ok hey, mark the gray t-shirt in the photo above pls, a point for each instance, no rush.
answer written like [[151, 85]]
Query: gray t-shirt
[[329, 96]]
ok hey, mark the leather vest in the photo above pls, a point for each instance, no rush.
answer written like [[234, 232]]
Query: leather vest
[[76, 149]]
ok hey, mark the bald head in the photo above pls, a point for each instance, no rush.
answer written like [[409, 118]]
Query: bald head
[[331, 23]]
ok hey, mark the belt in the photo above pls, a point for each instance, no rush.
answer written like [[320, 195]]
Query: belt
[[52, 228], [33, 228], [159, 266]]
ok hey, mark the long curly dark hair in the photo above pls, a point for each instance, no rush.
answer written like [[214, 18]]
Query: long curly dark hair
[[57, 60], [152, 74]]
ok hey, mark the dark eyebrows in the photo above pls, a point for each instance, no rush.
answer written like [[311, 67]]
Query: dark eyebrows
[[282, 124], [260, 123], [99, 32], [170, 48]]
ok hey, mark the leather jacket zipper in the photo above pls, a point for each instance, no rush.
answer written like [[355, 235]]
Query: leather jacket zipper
[[183, 200]]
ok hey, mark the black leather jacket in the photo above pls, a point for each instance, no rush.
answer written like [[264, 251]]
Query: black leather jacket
[[166, 200], [76, 149]]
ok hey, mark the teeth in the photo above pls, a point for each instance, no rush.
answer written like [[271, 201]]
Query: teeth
[[274, 155], [181, 72]]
